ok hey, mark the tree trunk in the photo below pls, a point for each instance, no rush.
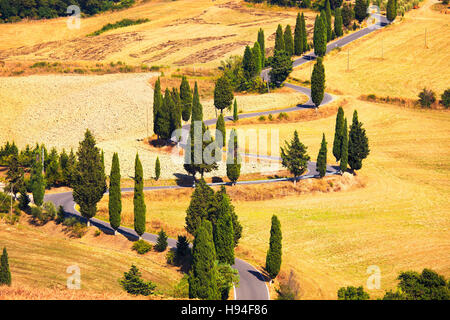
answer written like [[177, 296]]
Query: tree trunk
[[295, 181], [88, 223]]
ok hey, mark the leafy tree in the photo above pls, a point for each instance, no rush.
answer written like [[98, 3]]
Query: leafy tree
[[273, 258], [262, 47], [298, 36], [279, 39], [391, 12], [248, 64], [320, 37], [358, 144], [344, 148], [318, 82], [256, 51], [347, 15], [360, 10], [161, 242], [157, 169], [199, 206], [223, 93], [235, 111], [186, 99], [338, 134], [226, 278], [157, 105], [352, 293], [281, 68], [90, 181], [338, 23], [37, 183], [220, 131], [288, 41], [321, 164], [115, 195], [14, 175], [139, 199], [294, 157], [427, 98], [446, 98], [133, 283], [328, 17], [5, 273], [233, 159], [203, 274]]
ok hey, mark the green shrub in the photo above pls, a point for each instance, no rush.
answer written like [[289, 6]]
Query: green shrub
[[181, 289], [446, 98], [262, 118], [141, 246], [78, 230], [161, 243], [426, 98], [97, 233], [270, 117], [283, 115], [133, 284], [352, 293], [171, 258], [60, 215]]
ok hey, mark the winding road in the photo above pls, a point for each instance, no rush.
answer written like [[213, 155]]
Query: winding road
[[252, 284]]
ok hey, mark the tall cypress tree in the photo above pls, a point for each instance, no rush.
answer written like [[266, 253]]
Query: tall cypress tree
[[391, 11], [235, 111], [328, 17], [220, 131], [305, 34], [344, 148], [320, 36], [298, 36], [90, 181], [175, 111], [199, 206], [262, 47], [203, 275], [257, 57], [273, 258], [157, 169], [233, 159], [139, 199], [197, 109], [295, 157], [223, 93], [37, 183], [338, 134], [115, 195], [186, 99], [318, 82], [358, 144], [223, 233], [279, 39], [5, 274], [321, 164], [248, 64], [288, 41], [164, 116], [338, 23], [157, 104]]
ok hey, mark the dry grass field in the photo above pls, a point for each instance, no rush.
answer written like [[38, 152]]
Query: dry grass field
[[215, 30], [39, 257], [407, 65]]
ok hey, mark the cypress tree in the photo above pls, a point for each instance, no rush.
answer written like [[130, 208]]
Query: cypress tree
[[344, 148], [223, 93], [338, 23], [328, 17], [161, 242], [294, 156], [360, 10], [223, 233], [320, 37], [203, 275], [391, 11], [220, 131], [164, 116], [298, 36], [273, 258], [37, 183], [5, 273], [197, 109], [235, 111], [90, 181], [115, 195], [318, 82], [288, 41], [262, 47], [257, 57], [305, 34], [279, 39], [338, 134], [157, 104], [199, 206], [15, 175], [248, 64], [175, 111], [233, 159], [139, 199], [53, 171], [281, 68], [186, 99], [157, 169], [321, 164], [358, 144]]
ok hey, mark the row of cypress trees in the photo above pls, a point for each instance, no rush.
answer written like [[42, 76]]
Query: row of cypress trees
[[292, 45]]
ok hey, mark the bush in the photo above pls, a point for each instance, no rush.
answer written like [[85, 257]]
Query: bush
[[141, 246], [50, 210], [183, 247], [352, 293], [446, 98], [171, 258], [289, 289], [426, 98], [97, 233], [262, 118], [60, 215], [181, 289], [75, 227], [161, 243], [5, 201], [133, 284], [270, 117], [283, 115]]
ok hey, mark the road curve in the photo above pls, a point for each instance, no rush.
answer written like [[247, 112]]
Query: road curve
[[252, 283]]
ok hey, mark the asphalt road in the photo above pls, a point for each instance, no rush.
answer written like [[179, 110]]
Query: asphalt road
[[252, 284]]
